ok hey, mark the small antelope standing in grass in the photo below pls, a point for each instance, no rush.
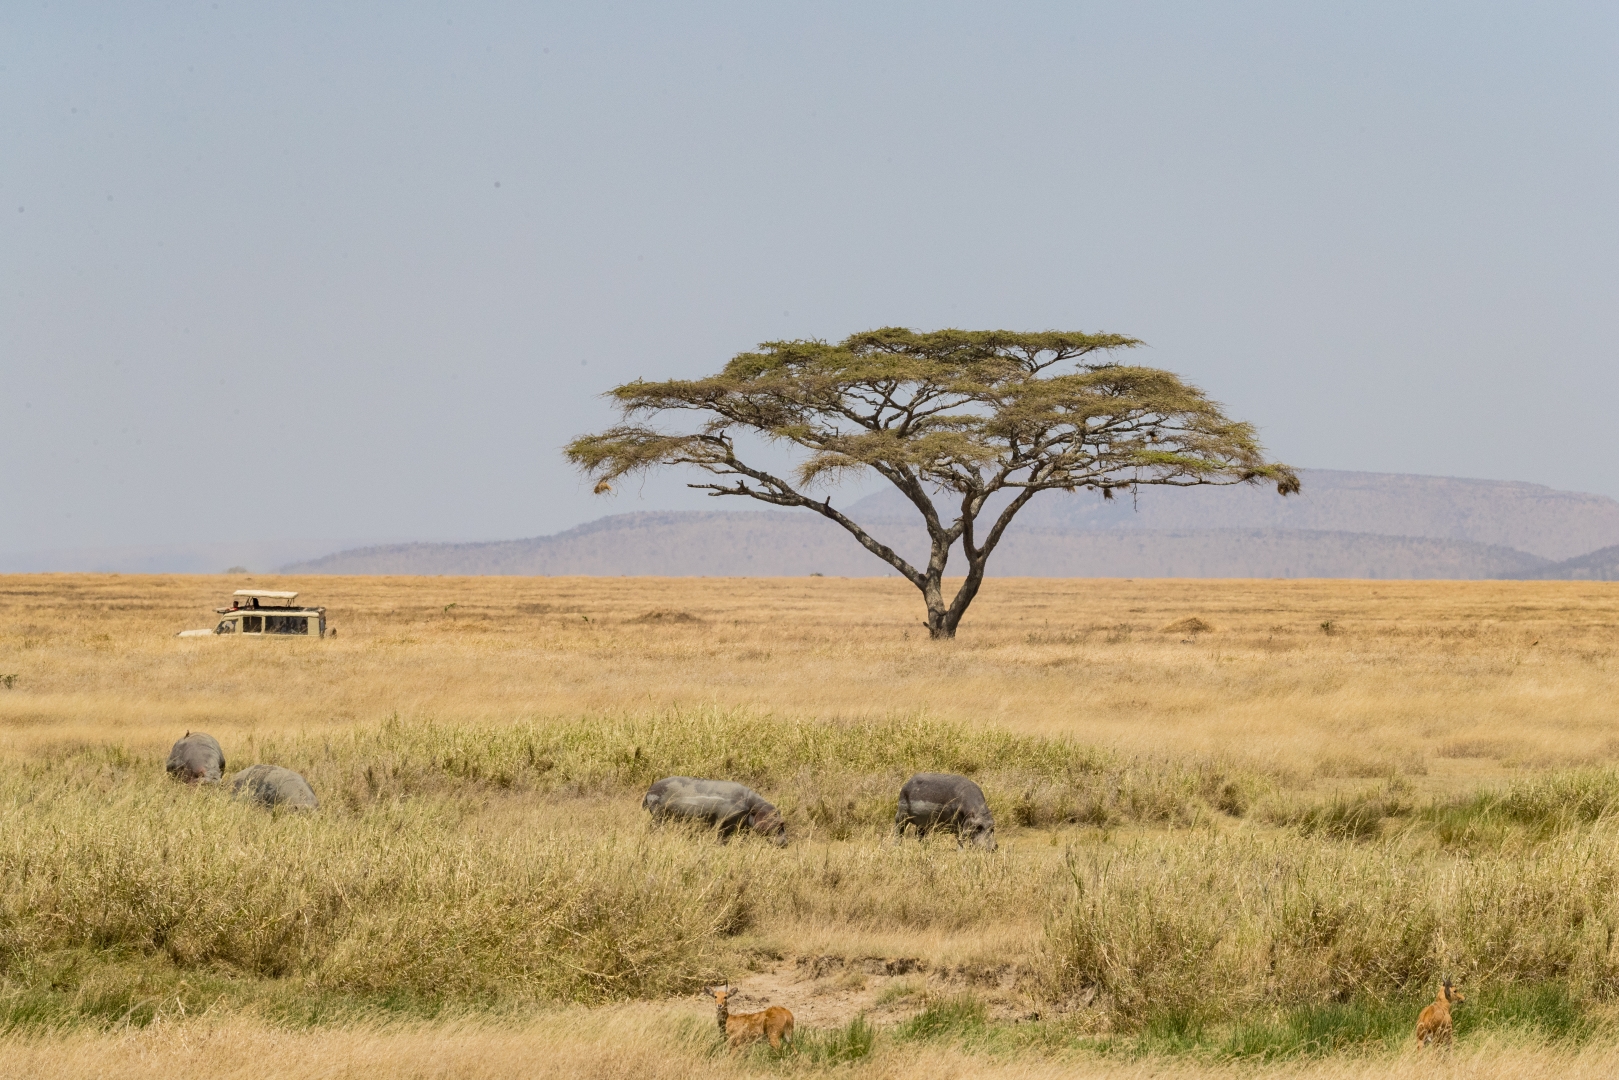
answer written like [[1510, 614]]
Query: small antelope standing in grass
[[774, 1023], [1434, 1023]]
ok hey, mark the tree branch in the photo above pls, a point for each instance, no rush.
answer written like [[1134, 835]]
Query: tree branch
[[783, 494]]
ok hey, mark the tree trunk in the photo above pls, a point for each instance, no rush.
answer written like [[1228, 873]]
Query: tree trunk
[[940, 625], [965, 594], [943, 619]]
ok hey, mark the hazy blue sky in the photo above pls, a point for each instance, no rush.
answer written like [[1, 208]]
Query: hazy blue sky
[[279, 271]]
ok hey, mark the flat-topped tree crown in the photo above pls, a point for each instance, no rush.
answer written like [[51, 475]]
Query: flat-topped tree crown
[[965, 414]]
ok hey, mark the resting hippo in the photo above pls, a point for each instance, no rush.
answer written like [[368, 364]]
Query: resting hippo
[[931, 800], [197, 759], [720, 803], [271, 785]]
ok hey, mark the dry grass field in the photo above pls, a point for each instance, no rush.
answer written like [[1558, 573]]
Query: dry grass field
[[1243, 824]]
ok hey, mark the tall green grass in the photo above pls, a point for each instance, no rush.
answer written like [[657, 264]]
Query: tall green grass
[[830, 776], [833, 777], [400, 899], [434, 889], [477, 867], [836, 1046], [1545, 1013], [1241, 923], [1529, 812]]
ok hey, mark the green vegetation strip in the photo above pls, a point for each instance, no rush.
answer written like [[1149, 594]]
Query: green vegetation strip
[[1545, 1015], [124, 896]]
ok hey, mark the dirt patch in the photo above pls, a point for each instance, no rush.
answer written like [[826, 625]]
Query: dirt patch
[[665, 616], [1189, 625], [1495, 749], [829, 991]]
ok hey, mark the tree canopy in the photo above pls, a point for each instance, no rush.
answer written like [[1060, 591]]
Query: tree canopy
[[963, 414]]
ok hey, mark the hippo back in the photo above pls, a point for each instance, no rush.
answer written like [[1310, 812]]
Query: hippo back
[[687, 796], [196, 758], [947, 800], [724, 803], [271, 785]]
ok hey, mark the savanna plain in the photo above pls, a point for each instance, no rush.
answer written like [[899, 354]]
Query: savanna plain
[[1245, 828]]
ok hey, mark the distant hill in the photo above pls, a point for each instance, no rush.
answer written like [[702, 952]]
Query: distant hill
[[1599, 565], [767, 544], [1529, 517], [675, 543], [1363, 525]]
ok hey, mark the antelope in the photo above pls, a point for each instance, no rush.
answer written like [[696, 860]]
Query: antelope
[[774, 1023], [1434, 1023]]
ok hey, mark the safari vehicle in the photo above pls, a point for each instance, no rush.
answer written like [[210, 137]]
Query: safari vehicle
[[263, 613]]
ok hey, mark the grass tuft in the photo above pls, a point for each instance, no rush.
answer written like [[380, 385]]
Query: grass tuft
[[948, 1017], [852, 1042]]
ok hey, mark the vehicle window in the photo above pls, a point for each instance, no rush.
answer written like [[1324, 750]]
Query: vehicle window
[[286, 624], [252, 624], [226, 626]]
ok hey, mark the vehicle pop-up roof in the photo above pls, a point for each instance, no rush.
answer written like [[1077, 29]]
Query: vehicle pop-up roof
[[265, 594], [251, 595]]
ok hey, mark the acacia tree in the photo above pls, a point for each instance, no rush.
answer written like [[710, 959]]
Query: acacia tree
[[963, 414]]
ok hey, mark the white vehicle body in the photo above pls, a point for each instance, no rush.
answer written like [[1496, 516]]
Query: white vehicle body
[[263, 613]]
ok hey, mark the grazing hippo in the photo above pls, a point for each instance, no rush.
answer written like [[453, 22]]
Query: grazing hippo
[[196, 759], [719, 803], [931, 800], [271, 785]]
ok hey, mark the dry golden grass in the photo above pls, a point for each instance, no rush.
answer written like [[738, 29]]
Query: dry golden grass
[[1317, 677], [642, 1043], [1279, 696]]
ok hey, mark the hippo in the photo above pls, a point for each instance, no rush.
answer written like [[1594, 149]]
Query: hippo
[[272, 786], [196, 759], [946, 801], [718, 803]]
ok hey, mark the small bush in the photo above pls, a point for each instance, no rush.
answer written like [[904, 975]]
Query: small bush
[[840, 1046], [1357, 817], [1536, 810], [1581, 795], [1320, 1030], [1343, 819], [1189, 625], [945, 1018], [1547, 1010], [664, 617]]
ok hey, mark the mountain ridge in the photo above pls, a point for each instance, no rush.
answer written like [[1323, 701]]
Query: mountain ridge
[[1533, 518], [1599, 565], [773, 544], [1346, 524]]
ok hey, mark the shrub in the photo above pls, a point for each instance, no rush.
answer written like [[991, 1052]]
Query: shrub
[[839, 1046], [1238, 923], [946, 1017]]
